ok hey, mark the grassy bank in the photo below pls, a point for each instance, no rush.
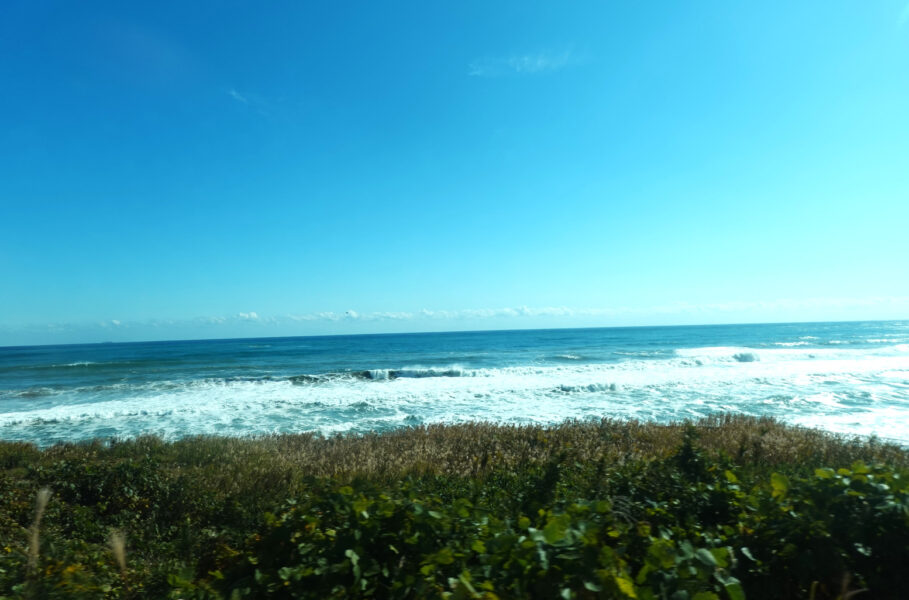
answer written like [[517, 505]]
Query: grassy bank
[[725, 508]]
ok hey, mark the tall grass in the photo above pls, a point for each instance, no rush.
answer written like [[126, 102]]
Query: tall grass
[[274, 464], [34, 538]]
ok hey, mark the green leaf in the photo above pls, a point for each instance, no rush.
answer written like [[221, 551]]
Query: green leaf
[[625, 585], [556, 529], [730, 476], [444, 557], [353, 556], [705, 596], [780, 485], [721, 555], [860, 467], [824, 473], [734, 589], [593, 587], [704, 555], [663, 552]]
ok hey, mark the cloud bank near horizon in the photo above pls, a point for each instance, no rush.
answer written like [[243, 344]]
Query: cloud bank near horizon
[[352, 321]]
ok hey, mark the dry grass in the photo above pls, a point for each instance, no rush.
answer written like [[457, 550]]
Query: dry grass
[[117, 543], [34, 538], [270, 465], [474, 448]]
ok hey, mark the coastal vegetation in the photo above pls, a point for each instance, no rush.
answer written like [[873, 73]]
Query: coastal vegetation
[[727, 507]]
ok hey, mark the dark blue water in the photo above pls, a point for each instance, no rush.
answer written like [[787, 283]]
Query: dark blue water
[[848, 377]]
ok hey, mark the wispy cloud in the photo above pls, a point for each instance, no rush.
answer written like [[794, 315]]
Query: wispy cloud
[[252, 101], [427, 314], [237, 96], [522, 64], [904, 16], [527, 312], [440, 319]]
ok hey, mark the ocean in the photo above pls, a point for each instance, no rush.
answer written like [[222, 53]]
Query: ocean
[[851, 378]]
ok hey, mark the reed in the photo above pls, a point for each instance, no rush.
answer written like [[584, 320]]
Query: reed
[[117, 543], [34, 539]]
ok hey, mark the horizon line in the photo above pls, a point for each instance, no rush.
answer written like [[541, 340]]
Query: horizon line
[[430, 332]]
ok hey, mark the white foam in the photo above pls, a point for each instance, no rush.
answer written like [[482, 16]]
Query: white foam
[[864, 390]]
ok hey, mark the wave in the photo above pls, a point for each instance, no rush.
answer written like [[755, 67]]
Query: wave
[[307, 379], [415, 373], [590, 387], [32, 392], [716, 355], [868, 384], [82, 364], [745, 357]]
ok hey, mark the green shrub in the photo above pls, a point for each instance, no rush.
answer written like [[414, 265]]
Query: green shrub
[[722, 508]]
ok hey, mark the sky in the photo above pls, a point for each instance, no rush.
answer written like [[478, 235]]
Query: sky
[[174, 170]]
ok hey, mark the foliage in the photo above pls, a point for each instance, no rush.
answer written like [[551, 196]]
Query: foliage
[[725, 508]]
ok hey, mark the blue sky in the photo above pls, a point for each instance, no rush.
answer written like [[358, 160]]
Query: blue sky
[[287, 168]]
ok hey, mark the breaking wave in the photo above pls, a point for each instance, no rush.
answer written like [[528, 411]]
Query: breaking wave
[[859, 388]]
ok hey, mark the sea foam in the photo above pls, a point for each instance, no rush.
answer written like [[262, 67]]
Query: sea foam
[[860, 387]]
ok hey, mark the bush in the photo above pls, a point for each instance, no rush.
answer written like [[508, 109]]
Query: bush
[[719, 509]]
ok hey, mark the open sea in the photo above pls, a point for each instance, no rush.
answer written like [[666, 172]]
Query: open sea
[[845, 377]]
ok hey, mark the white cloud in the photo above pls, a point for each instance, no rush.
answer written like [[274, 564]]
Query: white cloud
[[785, 309], [904, 16], [256, 103], [393, 316], [237, 96], [522, 64]]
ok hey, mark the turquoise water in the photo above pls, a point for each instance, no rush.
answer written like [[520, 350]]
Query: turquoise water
[[844, 377]]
